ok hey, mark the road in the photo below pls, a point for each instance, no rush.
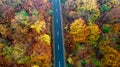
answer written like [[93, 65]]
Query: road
[[59, 57]]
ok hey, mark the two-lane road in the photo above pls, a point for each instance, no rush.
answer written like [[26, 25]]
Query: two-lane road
[[59, 57]]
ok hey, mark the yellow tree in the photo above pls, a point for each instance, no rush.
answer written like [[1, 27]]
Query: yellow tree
[[111, 57], [79, 30], [94, 32]]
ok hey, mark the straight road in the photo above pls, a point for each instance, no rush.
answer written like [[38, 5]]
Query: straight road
[[59, 57]]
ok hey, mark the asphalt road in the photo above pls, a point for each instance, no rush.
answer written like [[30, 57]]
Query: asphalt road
[[59, 57]]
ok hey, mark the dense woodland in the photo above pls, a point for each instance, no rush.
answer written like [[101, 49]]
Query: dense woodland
[[92, 32], [25, 36]]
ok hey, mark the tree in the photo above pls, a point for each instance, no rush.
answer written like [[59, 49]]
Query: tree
[[79, 30]]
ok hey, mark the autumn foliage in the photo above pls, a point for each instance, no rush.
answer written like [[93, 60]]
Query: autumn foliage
[[92, 32], [25, 39]]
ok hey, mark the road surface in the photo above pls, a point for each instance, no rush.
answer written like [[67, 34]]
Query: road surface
[[59, 57]]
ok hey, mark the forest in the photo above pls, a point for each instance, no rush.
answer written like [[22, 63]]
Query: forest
[[91, 33], [25, 33]]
